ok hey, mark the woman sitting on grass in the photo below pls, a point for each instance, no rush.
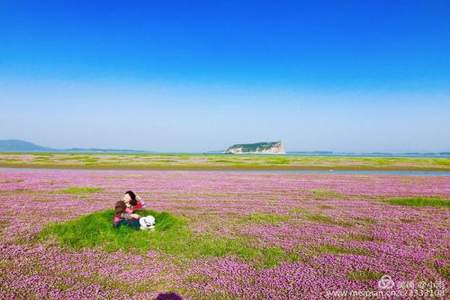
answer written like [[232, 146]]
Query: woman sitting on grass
[[124, 211]]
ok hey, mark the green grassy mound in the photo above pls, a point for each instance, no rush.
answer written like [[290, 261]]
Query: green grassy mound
[[171, 236], [420, 201]]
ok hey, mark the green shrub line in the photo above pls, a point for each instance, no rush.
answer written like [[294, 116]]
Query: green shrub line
[[171, 236], [420, 201]]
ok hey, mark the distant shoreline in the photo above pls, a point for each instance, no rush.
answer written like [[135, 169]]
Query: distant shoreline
[[219, 162], [294, 153]]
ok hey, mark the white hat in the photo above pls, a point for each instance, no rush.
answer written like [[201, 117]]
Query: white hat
[[147, 223]]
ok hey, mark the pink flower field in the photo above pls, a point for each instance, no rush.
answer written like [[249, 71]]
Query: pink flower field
[[321, 236]]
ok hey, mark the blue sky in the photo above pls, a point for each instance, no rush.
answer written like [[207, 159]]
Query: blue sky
[[201, 75]]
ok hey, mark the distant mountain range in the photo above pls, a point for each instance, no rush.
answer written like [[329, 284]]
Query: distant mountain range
[[24, 146]]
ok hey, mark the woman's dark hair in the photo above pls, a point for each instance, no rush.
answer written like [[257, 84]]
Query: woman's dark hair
[[132, 195], [119, 208]]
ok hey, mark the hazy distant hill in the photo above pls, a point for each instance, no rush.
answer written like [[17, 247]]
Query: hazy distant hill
[[24, 146], [21, 146]]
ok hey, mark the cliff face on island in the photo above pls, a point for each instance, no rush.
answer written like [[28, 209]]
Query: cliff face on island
[[257, 148]]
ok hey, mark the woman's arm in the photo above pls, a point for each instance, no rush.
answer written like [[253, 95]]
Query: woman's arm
[[124, 212], [127, 216], [140, 204]]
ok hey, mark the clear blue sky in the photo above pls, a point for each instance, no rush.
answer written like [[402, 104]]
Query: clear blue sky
[[201, 75]]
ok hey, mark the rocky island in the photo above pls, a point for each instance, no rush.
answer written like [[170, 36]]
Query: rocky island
[[257, 148]]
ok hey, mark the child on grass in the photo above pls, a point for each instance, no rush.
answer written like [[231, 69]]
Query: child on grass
[[124, 211]]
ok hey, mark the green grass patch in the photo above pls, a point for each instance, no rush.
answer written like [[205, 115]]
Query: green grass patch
[[77, 190], [334, 249], [361, 237], [320, 218], [279, 161], [265, 218], [41, 158], [89, 160], [10, 160], [420, 201], [444, 271], [443, 162], [220, 160], [364, 275], [321, 194], [271, 257], [171, 236], [298, 211]]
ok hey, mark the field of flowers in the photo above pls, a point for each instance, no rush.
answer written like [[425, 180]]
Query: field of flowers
[[292, 236]]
